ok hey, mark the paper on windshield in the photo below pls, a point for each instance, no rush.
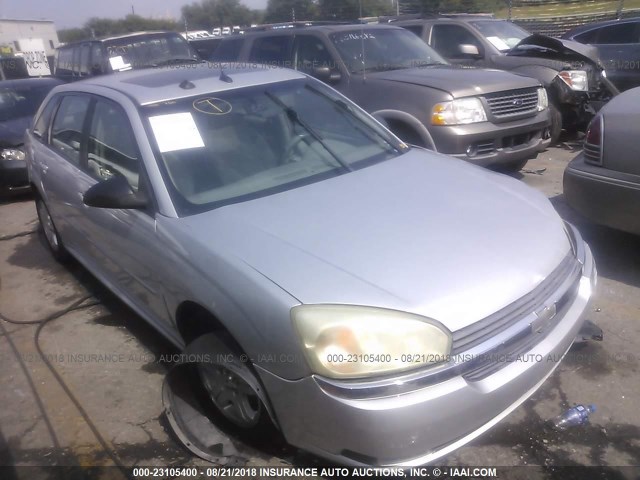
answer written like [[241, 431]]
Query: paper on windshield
[[176, 131], [498, 43], [117, 63]]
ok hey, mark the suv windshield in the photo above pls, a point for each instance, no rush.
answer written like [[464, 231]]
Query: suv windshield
[[238, 145], [502, 34], [148, 50], [370, 50]]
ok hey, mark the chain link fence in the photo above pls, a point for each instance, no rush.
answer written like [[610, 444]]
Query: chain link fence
[[548, 17]]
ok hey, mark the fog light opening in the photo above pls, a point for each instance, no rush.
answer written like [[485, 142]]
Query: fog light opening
[[546, 134], [472, 150]]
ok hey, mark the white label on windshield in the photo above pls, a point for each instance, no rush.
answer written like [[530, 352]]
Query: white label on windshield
[[117, 63], [176, 131], [498, 43]]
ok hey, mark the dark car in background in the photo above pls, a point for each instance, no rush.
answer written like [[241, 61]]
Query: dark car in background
[[570, 71], [618, 45], [603, 181], [487, 117], [79, 60], [19, 101]]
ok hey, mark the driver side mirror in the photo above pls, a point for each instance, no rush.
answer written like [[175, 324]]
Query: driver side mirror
[[326, 74], [469, 50], [114, 193]]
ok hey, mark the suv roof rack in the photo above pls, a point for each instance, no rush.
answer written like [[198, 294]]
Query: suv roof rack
[[420, 16], [296, 24]]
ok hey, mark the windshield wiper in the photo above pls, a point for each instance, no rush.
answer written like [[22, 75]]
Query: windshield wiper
[[177, 60], [295, 118], [346, 108]]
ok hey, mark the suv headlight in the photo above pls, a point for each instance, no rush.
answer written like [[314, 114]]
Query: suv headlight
[[576, 79], [458, 112], [12, 154], [543, 100], [345, 341]]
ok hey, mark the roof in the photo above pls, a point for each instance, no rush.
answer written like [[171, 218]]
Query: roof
[[154, 85], [119, 37], [329, 28], [31, 81], [590, 26]]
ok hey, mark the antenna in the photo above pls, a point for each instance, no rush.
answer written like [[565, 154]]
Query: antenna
[[364, 60]]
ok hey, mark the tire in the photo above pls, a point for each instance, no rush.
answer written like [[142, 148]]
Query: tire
[[556, 124], [230, 385], [48, 228]]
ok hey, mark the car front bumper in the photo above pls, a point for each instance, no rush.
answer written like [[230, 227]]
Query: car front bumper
[[606, 197], [415, 426], [488, 144], [13, 177]]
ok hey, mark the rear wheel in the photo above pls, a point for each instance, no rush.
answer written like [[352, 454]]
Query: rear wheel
[[54, 242]]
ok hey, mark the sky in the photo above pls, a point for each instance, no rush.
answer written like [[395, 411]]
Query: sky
[[73, 13]]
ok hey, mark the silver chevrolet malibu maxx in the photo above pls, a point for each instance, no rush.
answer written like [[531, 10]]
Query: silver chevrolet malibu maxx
[[379, 304]]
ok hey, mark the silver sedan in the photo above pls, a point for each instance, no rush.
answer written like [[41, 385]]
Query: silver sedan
[[379, 304]]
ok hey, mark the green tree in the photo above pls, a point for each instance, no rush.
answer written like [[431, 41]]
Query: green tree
[[217, 13], [352, 9], [283, 10]]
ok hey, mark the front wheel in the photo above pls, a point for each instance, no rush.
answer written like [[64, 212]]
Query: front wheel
[[555, 128], [54, 242]]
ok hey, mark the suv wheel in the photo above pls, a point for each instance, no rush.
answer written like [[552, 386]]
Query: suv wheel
[[556, 123]]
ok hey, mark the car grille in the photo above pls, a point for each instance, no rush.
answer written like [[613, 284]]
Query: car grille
[[481, 331], [514, 102]]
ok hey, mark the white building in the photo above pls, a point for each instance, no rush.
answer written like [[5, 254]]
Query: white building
[[12, 31]]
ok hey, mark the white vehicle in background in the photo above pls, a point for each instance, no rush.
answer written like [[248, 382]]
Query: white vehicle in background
[[226, 31], [216, 32], [236, 29]]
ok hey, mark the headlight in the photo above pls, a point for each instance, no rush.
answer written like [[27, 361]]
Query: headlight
[[543, 100], [458, 112], [345, 341], [12, 154], [576, 79]]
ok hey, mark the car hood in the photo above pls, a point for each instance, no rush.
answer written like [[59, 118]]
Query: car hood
[[554, 48], [12, 131], [422, 233], [459, 82]]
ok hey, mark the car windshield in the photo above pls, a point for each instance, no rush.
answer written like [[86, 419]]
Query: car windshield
[[238, 145], [148, 50], [503, 35], [370, 50], [21, 101]]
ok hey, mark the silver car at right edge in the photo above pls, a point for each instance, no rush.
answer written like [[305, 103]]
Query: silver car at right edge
[[603, 182]]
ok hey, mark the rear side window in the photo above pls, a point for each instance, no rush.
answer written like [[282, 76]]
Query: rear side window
[[85, 52], [66, 131], [42, 124], [227, 51], [417, 29], [272, 51], [64, 63]]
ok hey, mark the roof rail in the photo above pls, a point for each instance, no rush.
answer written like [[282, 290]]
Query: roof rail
[[296, 24], [419, 16]]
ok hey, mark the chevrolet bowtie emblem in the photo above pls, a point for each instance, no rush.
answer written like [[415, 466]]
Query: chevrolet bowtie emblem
[[545, 315]]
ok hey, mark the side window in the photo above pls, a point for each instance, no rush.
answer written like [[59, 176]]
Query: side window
[[75, 62], [66, 131], [41, 126], [97, 59], [63, 62], [272, 50], [311, 53], [446, 39], [617, 34], [227, 51], [588, 37], [417, 29], [85, 51], [112, 149]]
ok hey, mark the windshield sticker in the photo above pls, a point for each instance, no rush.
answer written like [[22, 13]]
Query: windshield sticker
[[117, 63], [176, 131], [498, 43], [212, 106], [347, 37]]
